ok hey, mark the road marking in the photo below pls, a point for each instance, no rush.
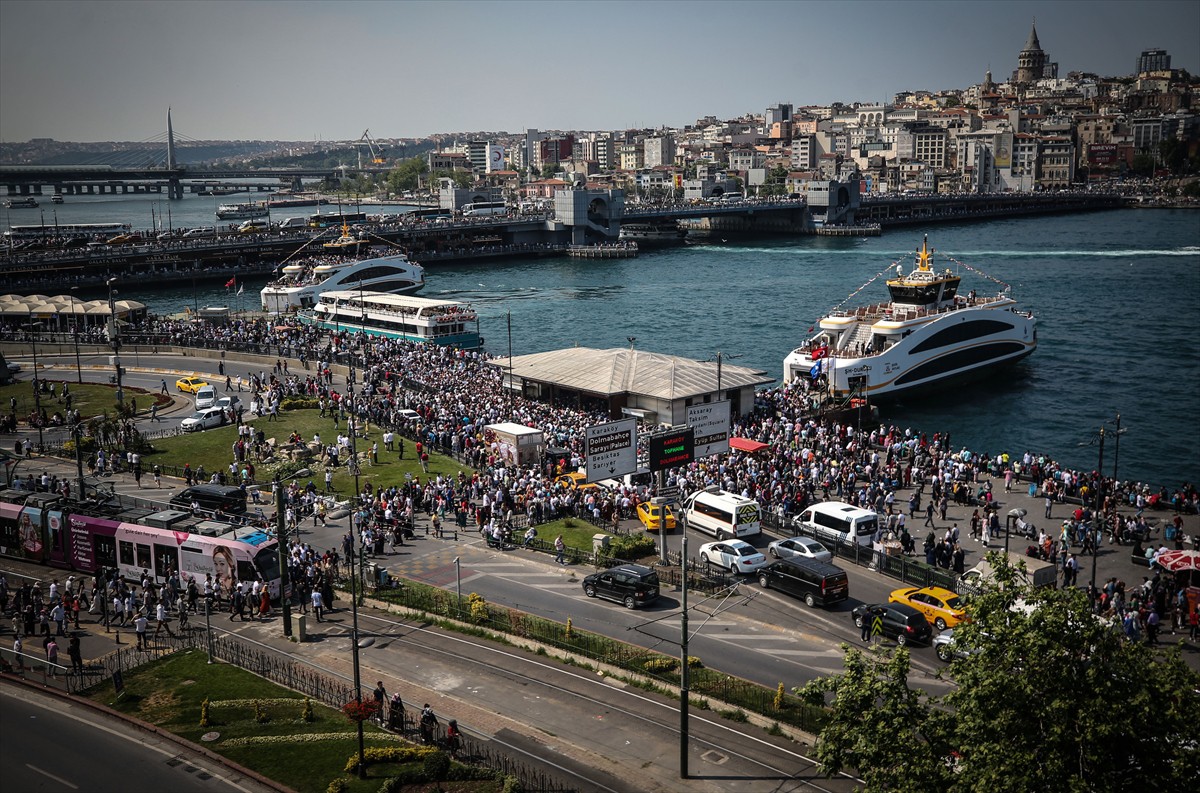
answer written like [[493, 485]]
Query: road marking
[[57, 779], [833, 653]]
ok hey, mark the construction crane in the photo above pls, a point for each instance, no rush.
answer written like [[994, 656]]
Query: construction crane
[[377, 153]]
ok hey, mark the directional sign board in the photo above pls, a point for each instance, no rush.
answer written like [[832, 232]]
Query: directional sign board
[[670, 449], [711, 424], [611, 449]]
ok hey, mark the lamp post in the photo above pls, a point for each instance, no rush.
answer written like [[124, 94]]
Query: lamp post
[[114, 335], [77, 432], [355, 585], [285, 601], [75, 327], [37, 386]]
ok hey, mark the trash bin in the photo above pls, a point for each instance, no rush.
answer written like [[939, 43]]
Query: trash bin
[[600, 543]]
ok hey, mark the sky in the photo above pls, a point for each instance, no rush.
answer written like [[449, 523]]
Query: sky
[[96, 71]]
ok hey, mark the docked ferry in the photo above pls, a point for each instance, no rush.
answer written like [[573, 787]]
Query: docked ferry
[[241, 211], [925, 337], [303, 283], [654, 234], [397, 317]]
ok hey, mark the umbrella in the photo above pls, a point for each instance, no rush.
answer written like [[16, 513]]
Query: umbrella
[[1175, 561]]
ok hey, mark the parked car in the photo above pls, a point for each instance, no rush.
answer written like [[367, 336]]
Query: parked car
[[190, 385], [799, 546], [229, 403], [652, 516], [631, 585], [203, 420], [900, 622], [819, 583], [940, 606], [737, 556], [946, 648]]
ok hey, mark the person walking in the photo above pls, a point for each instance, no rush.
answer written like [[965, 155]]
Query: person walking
[[75, 654], [428, 724], [929, 514], [52, 656], [318, 604], [380, 695], [560, 548], [140, 623]]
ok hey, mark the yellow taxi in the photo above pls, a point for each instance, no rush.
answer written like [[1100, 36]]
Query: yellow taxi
[[651, 516], [940, 607], [576, 481], [190, 385]]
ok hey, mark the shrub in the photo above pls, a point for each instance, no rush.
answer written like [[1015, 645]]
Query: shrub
[[512, 785], [631, 546], [436, 765], [695, 663], [298, 403], [662, 664], [388, 754], [307, 714], [570, 630], [337, 786], [204, 713], [478, 606], [779, 701]]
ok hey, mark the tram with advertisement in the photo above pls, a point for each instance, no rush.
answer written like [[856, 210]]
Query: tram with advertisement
[[44, 528]]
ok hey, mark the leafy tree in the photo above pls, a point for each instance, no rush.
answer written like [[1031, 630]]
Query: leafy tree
[[1143, 164], [776, 182], [1047, 697], [549, 169], [406, 176]]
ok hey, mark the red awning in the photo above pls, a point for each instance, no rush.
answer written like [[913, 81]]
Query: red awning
[[746, 445]]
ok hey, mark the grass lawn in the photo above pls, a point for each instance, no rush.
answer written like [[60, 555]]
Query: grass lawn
[[90, 399], [214, 450], [170, 693]]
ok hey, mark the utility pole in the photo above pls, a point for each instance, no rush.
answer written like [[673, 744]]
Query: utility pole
[[683, 662], [285, 600]]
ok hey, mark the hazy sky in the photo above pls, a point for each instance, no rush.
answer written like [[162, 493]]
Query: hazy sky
[[97, 70]]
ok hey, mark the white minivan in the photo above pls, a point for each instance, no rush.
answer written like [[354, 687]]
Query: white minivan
[[721, 514], [840, 522], [206, 397]]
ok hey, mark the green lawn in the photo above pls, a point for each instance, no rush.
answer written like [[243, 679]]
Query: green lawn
[[214, 450], [90, 399], [169, 693]]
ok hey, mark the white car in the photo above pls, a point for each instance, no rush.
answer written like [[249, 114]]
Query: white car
[[737, 556], [799, 546], [229, 403], [203, 419]]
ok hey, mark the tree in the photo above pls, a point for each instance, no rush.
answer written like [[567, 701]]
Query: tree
[[880, 726], [1047, 696], [776, 182], [407, 175], [1142, 165]]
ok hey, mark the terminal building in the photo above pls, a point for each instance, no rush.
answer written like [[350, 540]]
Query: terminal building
[[651, 386]]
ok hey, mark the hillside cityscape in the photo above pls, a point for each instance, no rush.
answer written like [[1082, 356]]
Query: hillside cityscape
[[1032, 130]]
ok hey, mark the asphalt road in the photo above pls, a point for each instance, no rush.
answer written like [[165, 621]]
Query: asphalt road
[[52, 744]]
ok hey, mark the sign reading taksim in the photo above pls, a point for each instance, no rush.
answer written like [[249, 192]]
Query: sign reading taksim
[[669, 449], [611, 449], [711, 425]]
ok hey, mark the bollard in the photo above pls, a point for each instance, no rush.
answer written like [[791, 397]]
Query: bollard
[[118, 635]]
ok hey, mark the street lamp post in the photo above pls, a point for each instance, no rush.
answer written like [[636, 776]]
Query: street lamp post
[[285, 603], [75, 327], [355, 584], [37, 385], [114, 335], [1097, 520]]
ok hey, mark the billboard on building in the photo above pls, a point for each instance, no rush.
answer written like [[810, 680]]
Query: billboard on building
[[1004, 146], [495, 157], [1102, 154]]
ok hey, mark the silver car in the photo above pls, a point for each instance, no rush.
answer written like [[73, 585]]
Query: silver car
[[799, 546]]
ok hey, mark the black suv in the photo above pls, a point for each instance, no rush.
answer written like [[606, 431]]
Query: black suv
[[900, 622], [819, 583], [630, 584], [212, 498]]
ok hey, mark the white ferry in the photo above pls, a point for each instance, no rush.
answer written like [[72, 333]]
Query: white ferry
[[653, 234], [241, 211], [303, 284], [397, 317], [926, 336]]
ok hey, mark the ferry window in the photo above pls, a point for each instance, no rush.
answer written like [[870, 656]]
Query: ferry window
[[964, 331], [104, 551], [127, 553], [957, 360], [143, 556]]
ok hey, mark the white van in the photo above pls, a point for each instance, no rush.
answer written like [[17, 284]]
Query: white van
[[292, 223], [840, 522], [723, 515], [206, 397], [1037, 574]]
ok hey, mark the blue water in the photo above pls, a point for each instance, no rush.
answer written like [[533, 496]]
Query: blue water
[[1116, 294]]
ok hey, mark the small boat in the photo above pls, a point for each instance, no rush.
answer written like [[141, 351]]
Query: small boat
[[925, 337], [241, 211], [22, 203]]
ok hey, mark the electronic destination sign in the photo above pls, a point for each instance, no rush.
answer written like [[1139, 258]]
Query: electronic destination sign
[[669, 449]]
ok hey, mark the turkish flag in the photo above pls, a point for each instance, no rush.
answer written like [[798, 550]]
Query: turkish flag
[[231, 282]]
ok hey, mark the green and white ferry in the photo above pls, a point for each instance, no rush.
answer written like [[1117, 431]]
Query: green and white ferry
[[397, 317]]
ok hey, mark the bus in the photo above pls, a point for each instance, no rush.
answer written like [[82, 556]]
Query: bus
[[342, 219], [484, 208], [46, 529]]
